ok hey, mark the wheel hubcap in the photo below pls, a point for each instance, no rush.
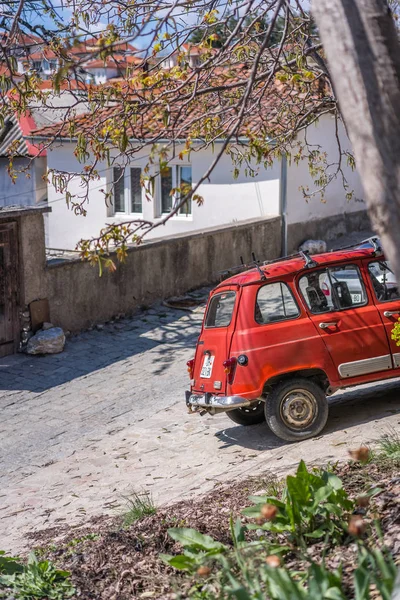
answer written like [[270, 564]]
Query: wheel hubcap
[[298, 409]]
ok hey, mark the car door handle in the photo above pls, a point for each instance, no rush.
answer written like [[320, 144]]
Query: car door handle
[[391, 313], [328, 324]]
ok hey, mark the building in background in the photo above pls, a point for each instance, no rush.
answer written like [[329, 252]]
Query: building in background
[[275, 190]]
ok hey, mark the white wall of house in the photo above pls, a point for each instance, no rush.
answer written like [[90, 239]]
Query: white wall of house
[[226, 200], [100, 75], [299, 209]]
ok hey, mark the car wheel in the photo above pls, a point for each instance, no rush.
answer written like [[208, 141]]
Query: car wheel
[[250, 415], [296, 410]]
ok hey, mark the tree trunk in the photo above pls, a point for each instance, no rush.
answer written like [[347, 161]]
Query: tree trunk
[[363, 52]]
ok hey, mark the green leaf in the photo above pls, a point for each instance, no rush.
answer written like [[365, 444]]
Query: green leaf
[[333, 594], [318, 533], [191, 538], [237, 531], [181, 562], [266, 500], [333, 480], [361, 584], [9, 564]]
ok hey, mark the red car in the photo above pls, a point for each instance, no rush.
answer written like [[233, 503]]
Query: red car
[[278, 338]]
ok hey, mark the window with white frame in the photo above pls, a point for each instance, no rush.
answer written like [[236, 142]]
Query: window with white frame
[[176, 176], [127, 190]]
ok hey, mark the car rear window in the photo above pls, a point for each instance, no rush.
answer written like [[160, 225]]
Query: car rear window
[[220, 309], [334, 288], [275, 302]]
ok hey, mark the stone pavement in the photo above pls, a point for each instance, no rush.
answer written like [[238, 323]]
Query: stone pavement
[[81, 430]]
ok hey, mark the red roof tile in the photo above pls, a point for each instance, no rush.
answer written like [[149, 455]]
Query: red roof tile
[[280, 110]]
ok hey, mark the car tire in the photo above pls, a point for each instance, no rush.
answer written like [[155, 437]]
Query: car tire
[[296, 409], [251, 415]]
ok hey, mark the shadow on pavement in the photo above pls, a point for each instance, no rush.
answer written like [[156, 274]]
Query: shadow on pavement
[[354, 406], [158, 330]]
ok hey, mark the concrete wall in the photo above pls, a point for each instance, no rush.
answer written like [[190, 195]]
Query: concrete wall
[[226, 200], [328, 228], [32, 257], [156, 270]]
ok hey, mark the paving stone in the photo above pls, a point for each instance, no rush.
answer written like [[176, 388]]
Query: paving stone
[[107, 417]]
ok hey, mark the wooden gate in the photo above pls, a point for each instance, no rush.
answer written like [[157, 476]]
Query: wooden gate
[[9, 326]]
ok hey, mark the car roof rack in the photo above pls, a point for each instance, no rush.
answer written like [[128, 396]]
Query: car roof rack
[[309, 263], [373, 241], [243, 267], [304, 254]]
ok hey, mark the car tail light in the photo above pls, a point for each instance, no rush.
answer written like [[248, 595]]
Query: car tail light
[[190, 367], [230, 368]]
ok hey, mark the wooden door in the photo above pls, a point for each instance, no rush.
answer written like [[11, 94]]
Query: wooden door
[[9, 328]]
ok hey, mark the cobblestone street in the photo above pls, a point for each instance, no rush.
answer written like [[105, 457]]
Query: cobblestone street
[[82, 429]]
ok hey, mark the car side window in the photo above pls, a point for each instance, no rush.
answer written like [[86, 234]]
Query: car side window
[[275, 302], [383, 281], [333, 288]]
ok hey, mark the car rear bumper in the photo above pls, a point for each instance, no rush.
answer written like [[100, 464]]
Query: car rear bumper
[[213, 404]]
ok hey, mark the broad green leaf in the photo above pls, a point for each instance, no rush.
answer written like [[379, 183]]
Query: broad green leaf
[[333, 480], [191, 538], [266, 500], [318, 533], [322, 494], [9, 564], [181, 562]]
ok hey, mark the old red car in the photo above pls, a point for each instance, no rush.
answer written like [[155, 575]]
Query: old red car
[[280, 337]]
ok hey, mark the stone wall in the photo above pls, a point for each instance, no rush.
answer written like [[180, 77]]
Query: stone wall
[[156, 270], [329, 228]]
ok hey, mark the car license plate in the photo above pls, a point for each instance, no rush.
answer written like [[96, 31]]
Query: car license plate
[[207, 367], [356, 298]]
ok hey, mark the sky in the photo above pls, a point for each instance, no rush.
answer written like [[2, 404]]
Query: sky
[[65, 13]]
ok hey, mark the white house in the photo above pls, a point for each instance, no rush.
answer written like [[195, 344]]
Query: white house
[[30, 187], [273, 191], [193, 54]]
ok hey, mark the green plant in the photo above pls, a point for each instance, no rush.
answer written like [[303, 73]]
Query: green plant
[[198, 548], [375, 568], [138, 505], [88, 537], [36, 580], [389, 445], [9, 564], [312, 506]]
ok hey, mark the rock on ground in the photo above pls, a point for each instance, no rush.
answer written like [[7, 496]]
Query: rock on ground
[[50, 341], [313, 246]]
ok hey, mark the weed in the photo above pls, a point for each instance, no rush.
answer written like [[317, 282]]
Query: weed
[[312, 506], [138, 505], [389, 445], [272, 486], [36, 580], [89, 537]]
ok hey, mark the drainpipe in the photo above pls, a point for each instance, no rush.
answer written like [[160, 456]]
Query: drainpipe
[[283, 205]]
